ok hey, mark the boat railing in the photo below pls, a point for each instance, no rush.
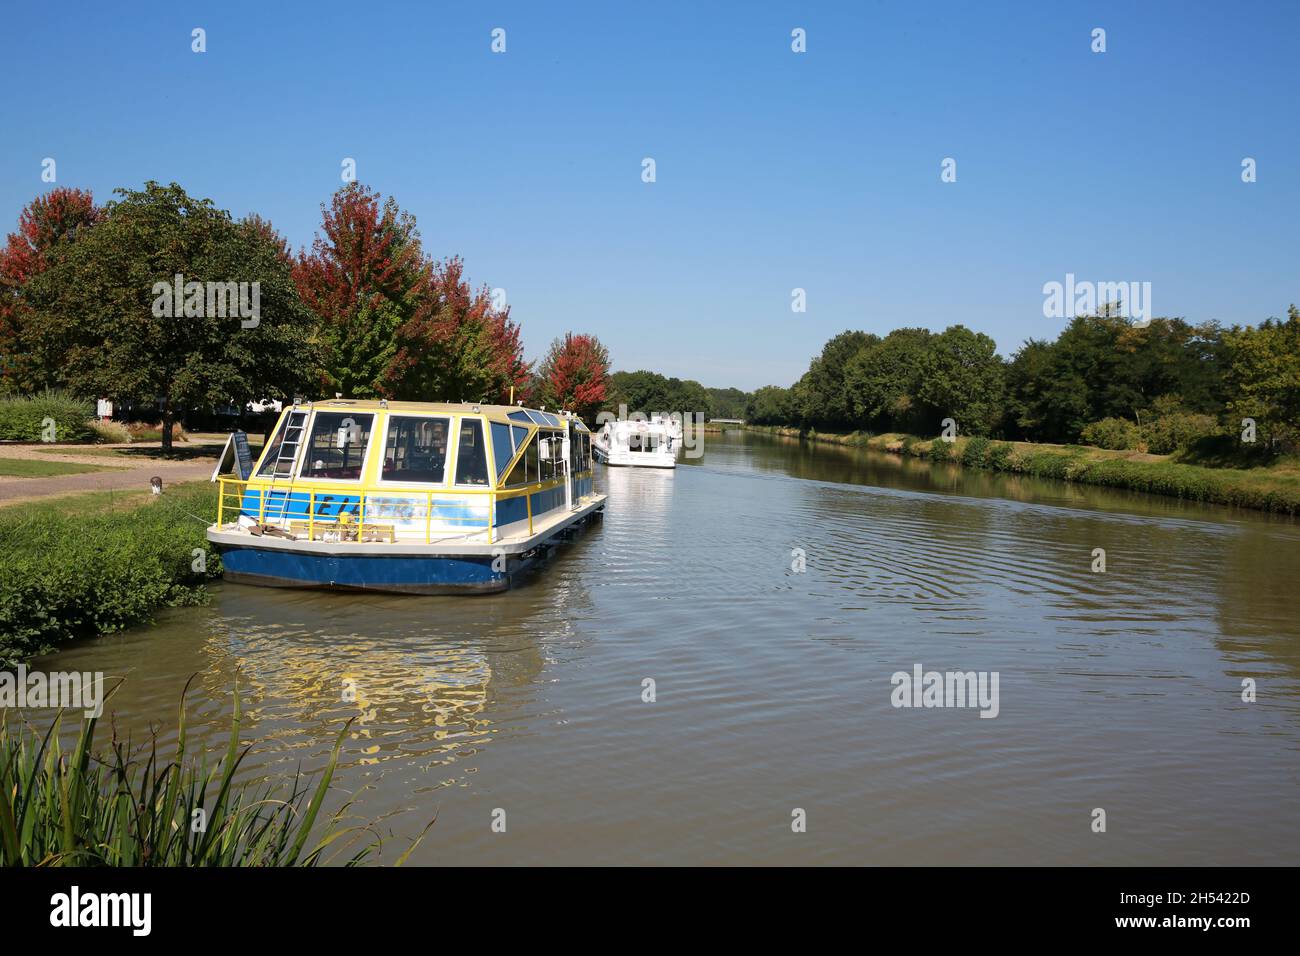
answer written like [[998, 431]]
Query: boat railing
[[368, 515]]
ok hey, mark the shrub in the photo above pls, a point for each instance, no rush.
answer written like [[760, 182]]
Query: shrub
[[941, 450], [109, 433], [975, 454], [24, 417], [999, 456], [66, 575], [1169, 433], [1044, 464], [1115, 434]]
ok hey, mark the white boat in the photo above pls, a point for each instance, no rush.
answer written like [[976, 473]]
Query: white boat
[[637, 444]]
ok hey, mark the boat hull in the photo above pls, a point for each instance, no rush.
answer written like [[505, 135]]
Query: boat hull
[[390, 568]]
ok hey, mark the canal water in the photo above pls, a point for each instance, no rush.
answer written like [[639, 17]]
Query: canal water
[[773, 691]]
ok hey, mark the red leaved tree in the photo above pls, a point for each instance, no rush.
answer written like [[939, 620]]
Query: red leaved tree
[[46, 227], [363, 278], [575, 375], [457, 346]]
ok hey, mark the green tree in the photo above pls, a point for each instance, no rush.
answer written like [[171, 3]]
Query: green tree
[[884, 380], [770, 405], [103, 319], [962, 378], [1263, 376], [822, 395]]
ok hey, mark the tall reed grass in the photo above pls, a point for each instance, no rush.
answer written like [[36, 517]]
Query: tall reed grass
[[128, 807]]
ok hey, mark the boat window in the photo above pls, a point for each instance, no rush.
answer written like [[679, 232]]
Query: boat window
[[549, 450], [416, 449], [503, 449], [337, 446], [471, 457], [273, 449], [520, 416], [526, 468], [520, 435]]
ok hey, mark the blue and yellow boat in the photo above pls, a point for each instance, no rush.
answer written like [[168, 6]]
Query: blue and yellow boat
[[415, 497]]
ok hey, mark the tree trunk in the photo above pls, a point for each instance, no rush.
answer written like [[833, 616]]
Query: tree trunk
[[167, 416]]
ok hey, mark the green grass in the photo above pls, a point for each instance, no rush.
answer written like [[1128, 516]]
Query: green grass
[[35, 468], [127, 807]]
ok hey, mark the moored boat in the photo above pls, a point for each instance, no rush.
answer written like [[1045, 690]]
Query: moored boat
[[638, 444], [416, 497]]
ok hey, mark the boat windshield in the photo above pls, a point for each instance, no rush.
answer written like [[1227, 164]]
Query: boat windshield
[[416, 449], [337, 446]]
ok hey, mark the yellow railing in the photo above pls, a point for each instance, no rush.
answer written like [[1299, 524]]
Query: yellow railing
[[234, 494]]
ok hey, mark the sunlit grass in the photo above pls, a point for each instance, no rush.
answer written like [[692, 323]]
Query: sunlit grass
[[35, 468]]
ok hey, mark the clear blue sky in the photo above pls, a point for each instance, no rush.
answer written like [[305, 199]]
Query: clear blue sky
[[775, 170]]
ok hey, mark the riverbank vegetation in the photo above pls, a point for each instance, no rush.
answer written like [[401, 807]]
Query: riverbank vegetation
[[1163, 387], [128, 806], [69, 571], [1274, 488]]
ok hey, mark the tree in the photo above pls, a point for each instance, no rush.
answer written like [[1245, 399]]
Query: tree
[[883, 381], [456, 346], [575, 375], [1263, 376], [363, 278], [728, 402], [770, 405], [962, 378], [822, 396], [108, 316], [47, 227]]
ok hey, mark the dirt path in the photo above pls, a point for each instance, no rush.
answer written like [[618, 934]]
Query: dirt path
[[127, 474]]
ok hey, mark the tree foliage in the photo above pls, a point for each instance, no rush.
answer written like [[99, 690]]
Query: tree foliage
[[362, 278], [47, 228], [574, 375], [95, 312]]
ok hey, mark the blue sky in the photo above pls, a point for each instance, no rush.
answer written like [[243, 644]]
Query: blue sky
[[775, 170]]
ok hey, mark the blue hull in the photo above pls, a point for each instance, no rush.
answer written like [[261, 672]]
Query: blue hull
[[406, 574], [270, 565]]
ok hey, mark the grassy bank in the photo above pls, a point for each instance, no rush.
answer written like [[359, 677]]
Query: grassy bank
[[1274, 488], [94, 564], [35, 468]]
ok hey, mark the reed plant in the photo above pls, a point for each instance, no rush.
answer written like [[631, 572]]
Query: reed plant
[[129, 807]]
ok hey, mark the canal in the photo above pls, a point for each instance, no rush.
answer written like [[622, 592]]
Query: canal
[[764, 597]]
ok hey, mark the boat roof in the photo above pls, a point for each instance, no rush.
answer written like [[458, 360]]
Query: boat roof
[[515, 413]]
